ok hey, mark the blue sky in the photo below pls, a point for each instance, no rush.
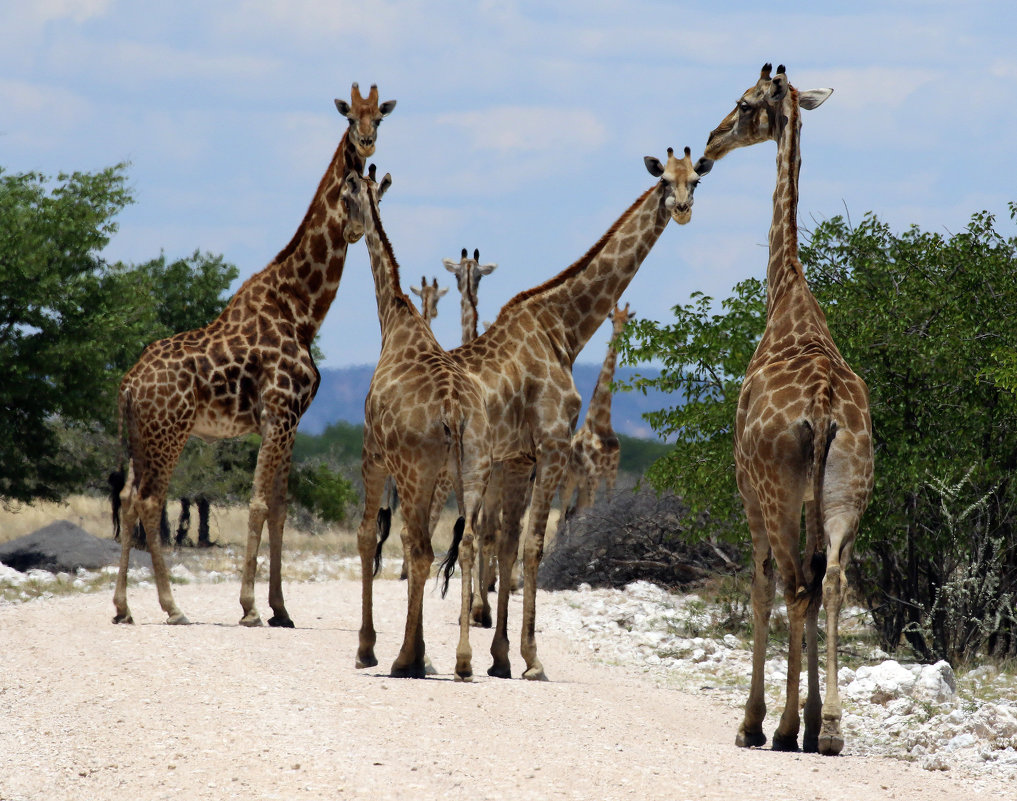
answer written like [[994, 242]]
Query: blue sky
[[520, 127]]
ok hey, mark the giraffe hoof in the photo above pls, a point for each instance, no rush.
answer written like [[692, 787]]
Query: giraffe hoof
[[251, 620], [467, 675], [123, 618], [500, 671], [784, 743], [831, 744], [750, 739], [366, 661], [810, 744], [281, 622], [414, 671], [535, 673], [179, 619]]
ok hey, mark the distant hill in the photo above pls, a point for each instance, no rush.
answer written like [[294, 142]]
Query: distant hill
[[343, 389]]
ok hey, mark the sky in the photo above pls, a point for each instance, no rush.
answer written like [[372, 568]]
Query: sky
[[520, 128]]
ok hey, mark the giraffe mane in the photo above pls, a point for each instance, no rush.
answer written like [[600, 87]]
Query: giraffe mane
[[399, 296], [584, 261], [339, 154]]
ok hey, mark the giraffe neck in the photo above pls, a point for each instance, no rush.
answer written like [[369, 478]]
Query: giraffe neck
[[784, 269], [598, 415], [573, 304], [304, 277], [469, 314], [394, 308]]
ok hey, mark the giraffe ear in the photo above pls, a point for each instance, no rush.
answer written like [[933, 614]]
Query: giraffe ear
[[343, 106], [451, 266], [653, 166], [813, 98], [442, 292], [703, 166], [386, 182], [486, 269], [415, 290], [353, 182], [386, 107]]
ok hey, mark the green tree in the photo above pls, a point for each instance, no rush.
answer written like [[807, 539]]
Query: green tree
[[71, 324], [919, 316], [60, 319], [703, 355]]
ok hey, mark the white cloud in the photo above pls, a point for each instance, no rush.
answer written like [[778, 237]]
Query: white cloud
[[513, 130]]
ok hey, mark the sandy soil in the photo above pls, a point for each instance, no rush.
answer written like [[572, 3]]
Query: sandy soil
[[89, 710]]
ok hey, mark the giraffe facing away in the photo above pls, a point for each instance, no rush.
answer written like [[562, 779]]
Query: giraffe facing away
[[803, 435], [468, 273], [248, 371], [524, 364], [423, 416], [429, 295], [595, 448]]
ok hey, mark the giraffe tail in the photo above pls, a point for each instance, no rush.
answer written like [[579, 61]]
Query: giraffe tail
[[454, 422], [118, 478], [821, 432]]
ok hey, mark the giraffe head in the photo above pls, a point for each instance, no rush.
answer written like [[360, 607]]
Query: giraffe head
[[356, 200], [365, 115], [468, 272], [761, 113], [679, 178], [429, 295], [618, 319]]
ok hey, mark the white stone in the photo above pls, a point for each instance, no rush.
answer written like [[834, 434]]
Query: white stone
[[936, 682], [881, 683]]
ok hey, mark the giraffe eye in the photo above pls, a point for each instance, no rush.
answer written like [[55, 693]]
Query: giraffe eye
[[745, 106]]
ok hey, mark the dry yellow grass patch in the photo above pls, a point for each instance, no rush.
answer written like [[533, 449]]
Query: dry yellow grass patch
[[228, 528]]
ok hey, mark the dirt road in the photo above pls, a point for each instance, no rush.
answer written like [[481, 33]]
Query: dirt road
[[93, 711]]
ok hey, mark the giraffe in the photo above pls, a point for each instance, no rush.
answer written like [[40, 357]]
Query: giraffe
[[595, 448], [468, 273], [423, 415], [524, 365], [248, 371], [429, 295], [803, 435]]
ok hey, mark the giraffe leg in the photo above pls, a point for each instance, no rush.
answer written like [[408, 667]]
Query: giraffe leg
[[750, 733], [264, 476], [813, 702], [410, 662], [785, 738], [476, 473], [129, 518], [143, 498], [151, 511], [515, 476], [550, 470], [367, 544], [841, 531], [276, 522], [464, 653], [486, 552]]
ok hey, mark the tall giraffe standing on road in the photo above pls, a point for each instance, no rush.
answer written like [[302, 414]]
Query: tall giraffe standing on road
[[596, 452], [803, 435], [248, 371], [524, 364], [424, 416]]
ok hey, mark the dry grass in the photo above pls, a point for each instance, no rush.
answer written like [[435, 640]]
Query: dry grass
[[307, 555]]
